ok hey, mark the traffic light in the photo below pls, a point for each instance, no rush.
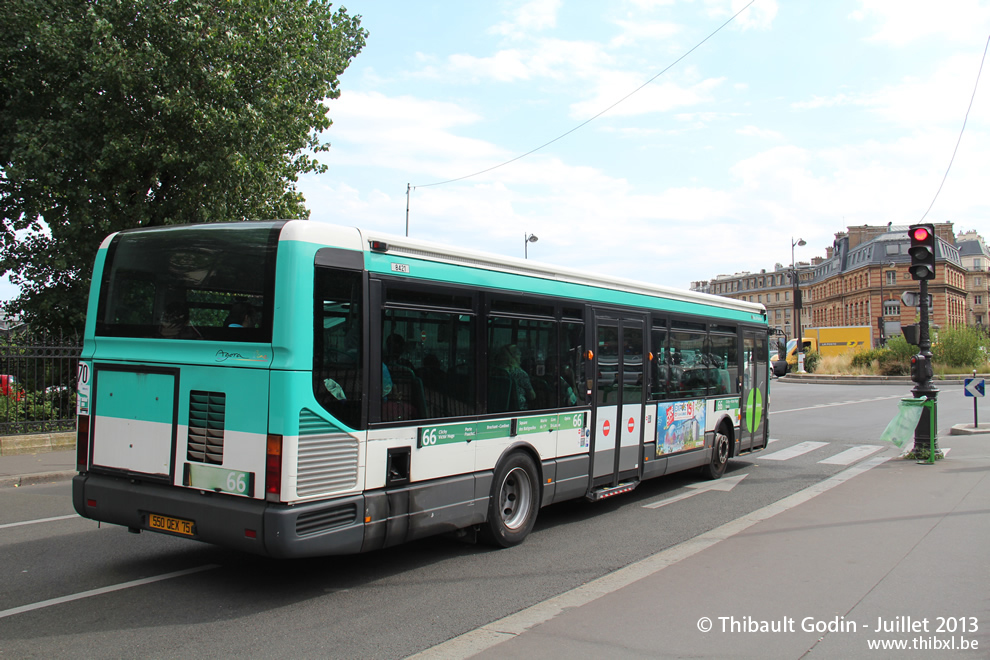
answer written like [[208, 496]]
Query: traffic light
[[922, 251], [921, 369]]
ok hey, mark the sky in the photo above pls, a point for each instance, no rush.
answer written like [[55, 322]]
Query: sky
[[794, 121]]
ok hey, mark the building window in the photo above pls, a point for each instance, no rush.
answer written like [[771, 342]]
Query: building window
[[977, 300], [891, 308], [891, 276]]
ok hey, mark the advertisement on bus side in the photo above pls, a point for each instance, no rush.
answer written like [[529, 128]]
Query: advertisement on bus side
[[681, 426]]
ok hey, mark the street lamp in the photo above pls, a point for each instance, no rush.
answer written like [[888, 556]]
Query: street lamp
[[883, 308], [527, 239], [796, 295]]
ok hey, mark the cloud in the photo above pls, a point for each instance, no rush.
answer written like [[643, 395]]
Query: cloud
[[532, 16], [636, 30], [897, 21], [662, 95], [405, 133], [823, 102], [765, 133], [917, 101], [758, 16], [943, 96]]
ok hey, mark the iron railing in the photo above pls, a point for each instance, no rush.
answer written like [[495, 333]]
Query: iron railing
[[38, 383]]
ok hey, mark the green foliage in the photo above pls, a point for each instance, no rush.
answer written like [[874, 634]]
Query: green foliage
[[38, 407], [895, 358], [811, 361], [131, 113], [901, 349], [865, 359], [960, 347]]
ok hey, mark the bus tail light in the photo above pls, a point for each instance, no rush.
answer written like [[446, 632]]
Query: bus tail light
[[273, 468], [82, 443]]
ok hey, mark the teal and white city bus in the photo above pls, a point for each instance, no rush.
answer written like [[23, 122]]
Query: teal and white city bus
[[296, 389]]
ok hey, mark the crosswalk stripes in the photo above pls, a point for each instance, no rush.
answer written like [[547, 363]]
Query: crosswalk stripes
[[851, 455], [846, 457], [792, 451]]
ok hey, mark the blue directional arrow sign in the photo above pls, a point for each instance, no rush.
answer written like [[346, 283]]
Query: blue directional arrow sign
[[973, 386]]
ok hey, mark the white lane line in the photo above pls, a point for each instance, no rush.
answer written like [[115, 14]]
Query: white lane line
[[104, 590], [40, 520], [851, 455], [841, 403], [791, 452], [480, 639]]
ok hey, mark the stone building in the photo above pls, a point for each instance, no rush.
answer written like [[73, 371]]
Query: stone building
[[860, 280]]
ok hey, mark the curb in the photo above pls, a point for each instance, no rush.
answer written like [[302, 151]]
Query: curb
[[967, 429], [34, 479], [11, 445]]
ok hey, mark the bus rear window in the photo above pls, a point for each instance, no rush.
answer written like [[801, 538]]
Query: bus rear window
[[190, 282]]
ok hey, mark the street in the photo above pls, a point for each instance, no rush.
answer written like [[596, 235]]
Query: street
[[71, 587]]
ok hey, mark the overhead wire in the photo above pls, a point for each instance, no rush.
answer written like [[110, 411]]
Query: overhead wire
[[959, 140], [590, 119]]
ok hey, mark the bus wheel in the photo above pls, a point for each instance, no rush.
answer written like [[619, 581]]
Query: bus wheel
[[513, 503], [720, 457]]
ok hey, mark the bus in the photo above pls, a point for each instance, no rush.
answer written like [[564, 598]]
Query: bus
[[295, 389]]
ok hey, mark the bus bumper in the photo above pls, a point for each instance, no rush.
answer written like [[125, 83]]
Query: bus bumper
[[239, 523]]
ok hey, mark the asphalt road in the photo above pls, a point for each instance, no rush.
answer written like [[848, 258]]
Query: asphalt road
[[69, 587]]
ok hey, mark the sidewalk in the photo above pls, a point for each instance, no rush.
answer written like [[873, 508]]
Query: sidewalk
[[887, 543], [44, 467]]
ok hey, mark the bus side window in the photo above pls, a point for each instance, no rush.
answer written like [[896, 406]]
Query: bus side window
[[337, 356]]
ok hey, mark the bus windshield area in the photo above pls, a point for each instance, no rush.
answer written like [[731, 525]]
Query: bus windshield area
[[213, 282]]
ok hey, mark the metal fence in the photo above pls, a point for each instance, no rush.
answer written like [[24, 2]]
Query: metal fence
[[38, 383]]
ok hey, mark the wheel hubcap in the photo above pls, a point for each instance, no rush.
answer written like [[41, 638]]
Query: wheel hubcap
[[721, 449], [515, 498]]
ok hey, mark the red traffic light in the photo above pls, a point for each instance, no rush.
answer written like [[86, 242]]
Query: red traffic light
[[922, 251]]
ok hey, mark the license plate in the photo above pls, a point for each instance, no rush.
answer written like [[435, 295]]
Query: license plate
[[172, 525]]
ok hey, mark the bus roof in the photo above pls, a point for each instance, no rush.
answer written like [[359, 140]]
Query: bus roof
[[360, 239]]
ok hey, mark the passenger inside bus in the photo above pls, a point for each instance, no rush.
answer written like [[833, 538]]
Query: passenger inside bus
[[175, 322], [508, 360]]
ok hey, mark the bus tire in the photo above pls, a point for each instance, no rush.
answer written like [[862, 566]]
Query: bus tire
[[513, 503], [720, 457]]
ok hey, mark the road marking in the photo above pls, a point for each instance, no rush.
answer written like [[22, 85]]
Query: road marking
[[852, 455], [40, 520], [104, 590], [480, 639], [841, 403], [724, 485], [791, 452]]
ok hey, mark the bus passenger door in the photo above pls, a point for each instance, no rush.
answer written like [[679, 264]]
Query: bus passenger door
[[619, 399], [755, 377]]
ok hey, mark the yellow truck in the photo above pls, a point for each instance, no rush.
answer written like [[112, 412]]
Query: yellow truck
[[827, 341]]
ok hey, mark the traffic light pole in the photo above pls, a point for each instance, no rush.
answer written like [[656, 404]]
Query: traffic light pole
[[924, 442]]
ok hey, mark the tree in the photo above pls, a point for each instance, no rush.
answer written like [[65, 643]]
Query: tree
[[134, 113]]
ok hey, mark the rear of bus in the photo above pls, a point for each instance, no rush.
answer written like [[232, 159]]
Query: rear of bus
[[183, 393]]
